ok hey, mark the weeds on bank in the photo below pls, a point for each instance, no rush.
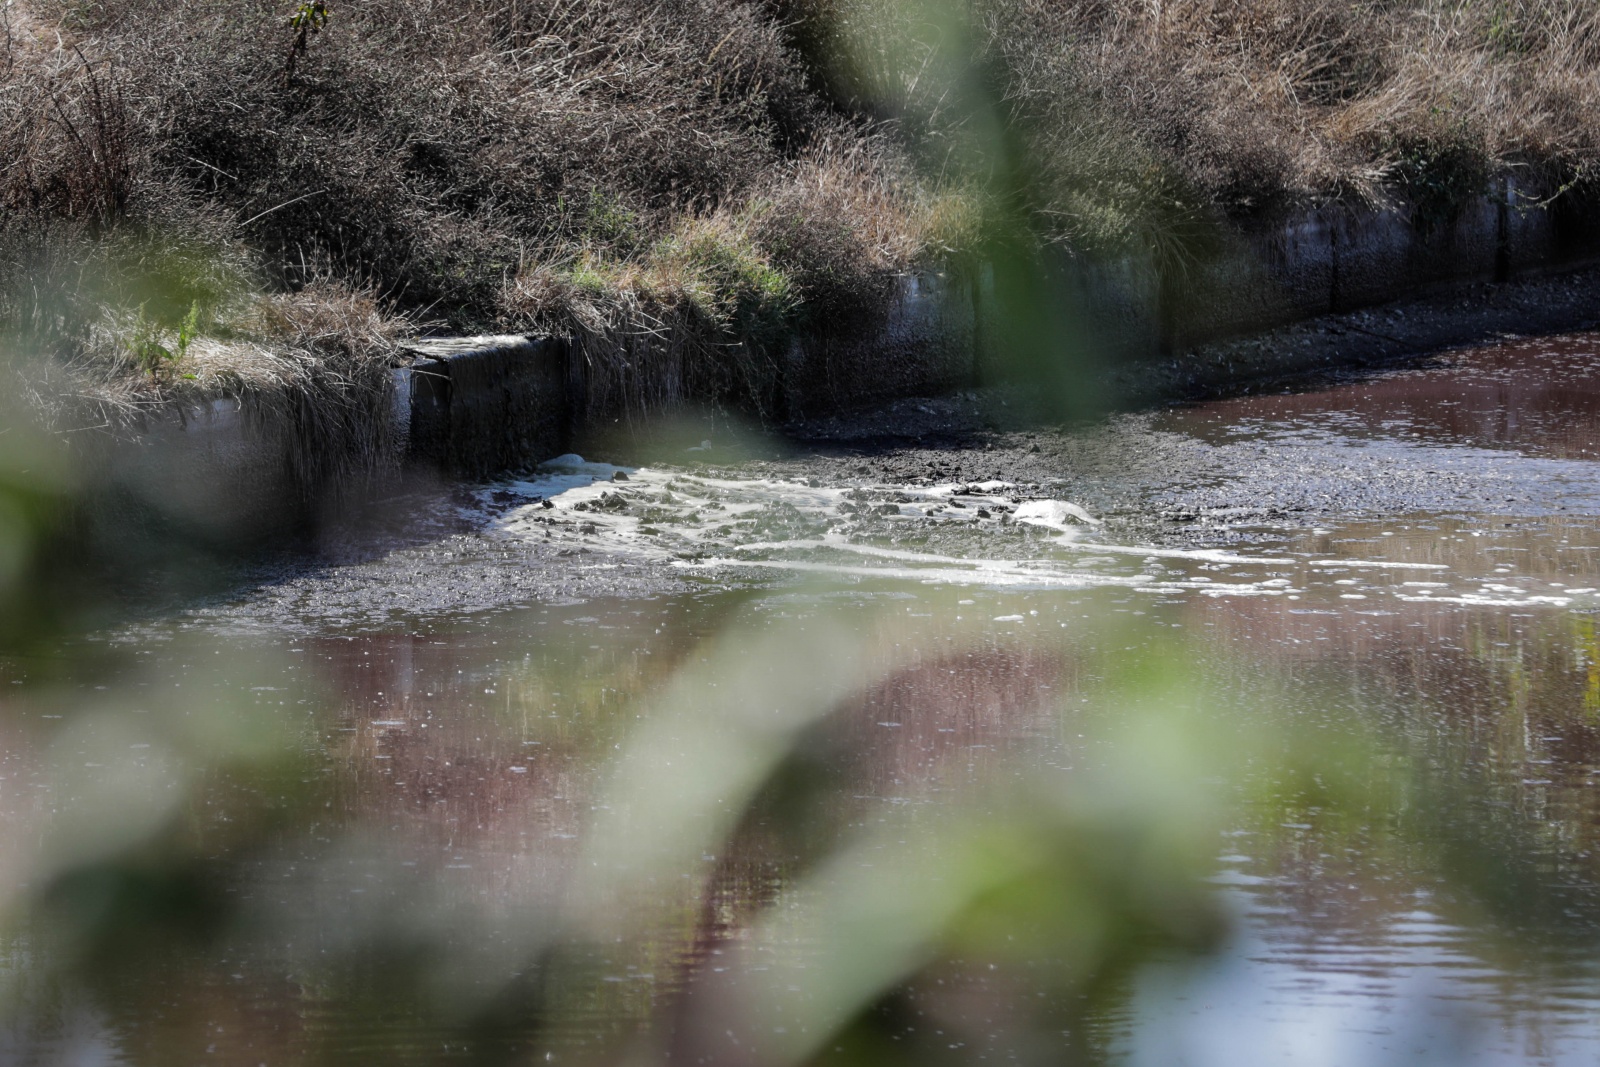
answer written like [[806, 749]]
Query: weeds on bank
[[702, 311], [149, 354]]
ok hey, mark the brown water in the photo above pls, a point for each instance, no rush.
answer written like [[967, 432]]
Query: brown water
[[548, 833]]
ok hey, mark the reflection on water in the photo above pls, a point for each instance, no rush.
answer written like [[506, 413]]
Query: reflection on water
[[699, 828], [1536, 396]]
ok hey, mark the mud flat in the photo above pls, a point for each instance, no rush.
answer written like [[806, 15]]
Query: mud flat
[[964, 490]]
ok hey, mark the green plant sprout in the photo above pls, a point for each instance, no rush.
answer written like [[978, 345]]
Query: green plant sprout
[[308, 19], [149, 354]]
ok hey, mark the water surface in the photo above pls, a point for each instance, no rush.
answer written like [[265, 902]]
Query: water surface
[[397, 820]]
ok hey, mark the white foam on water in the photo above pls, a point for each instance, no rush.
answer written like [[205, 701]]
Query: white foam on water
[[1499, 602], [1386, 564], [1197, 555], [1058, 514], [994, 577], [698, 521]]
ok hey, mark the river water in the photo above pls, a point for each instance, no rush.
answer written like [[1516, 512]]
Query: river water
[[1330, 654]]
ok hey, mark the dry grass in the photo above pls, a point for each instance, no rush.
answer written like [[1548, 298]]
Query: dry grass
[[1132, 122], [1261, 103], [620, 171], [678, 183], [308, 370]]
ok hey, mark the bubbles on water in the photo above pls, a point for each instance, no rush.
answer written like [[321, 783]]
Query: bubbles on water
[[985, 534]]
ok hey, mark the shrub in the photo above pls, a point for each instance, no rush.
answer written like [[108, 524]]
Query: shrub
[[735, 166], [838, 223]]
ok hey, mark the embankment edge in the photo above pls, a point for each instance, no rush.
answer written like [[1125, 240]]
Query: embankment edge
[[1296, 297]]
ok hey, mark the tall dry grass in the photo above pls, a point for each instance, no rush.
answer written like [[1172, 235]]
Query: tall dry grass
[[720, 171], [1259, 103], [1348, 96], [602, 169], [1144, 122]]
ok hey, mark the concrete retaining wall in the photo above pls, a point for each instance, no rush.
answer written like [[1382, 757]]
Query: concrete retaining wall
[[1323, 261], [203, 475], [1339, 259], [478, 405], [470, 407], [923, 346]]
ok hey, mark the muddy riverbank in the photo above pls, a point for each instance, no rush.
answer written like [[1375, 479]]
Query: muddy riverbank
[[227, 474], [945, 476]]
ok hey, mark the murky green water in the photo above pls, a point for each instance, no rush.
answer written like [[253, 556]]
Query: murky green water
[[1328, 773]]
